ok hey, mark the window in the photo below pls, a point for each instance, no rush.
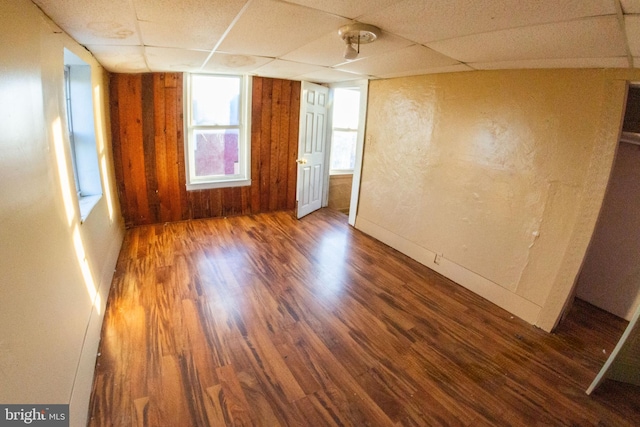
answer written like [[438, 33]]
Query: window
[[344, 132], [82, 136], [217, 147]]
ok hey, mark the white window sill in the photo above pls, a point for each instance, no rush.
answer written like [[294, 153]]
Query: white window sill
[[218, 184], [87, 203]]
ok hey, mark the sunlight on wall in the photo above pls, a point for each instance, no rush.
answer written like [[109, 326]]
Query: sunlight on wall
[[86, 270], [63, 170], [70, 210], [97, 105]]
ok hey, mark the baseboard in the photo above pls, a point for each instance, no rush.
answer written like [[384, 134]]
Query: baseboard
[[482, 286], [82, 385]]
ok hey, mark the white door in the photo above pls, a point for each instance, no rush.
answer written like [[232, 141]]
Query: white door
[[623, 364], [311, 147]]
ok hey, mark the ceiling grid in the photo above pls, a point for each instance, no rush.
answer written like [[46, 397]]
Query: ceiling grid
[[298, 39]]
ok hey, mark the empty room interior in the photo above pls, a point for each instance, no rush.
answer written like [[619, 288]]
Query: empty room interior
[[310, 213]]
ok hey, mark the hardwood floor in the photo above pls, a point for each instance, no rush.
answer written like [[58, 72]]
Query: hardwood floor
[[269, 321]]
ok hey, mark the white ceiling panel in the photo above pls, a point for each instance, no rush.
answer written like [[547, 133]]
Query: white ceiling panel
[[99, 22], [232, 63], [348, 9], [413, 58], [328, 75], [193, 24], [272, 28], [120, 59], [286, 69], [630, 6], [169, 59], [217, 13], [429, 20], [619, 62], [155, 34], [586, 38], [329, 49], [632, 27]]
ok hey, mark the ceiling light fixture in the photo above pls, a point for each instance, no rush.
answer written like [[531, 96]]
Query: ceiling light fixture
[[357, 34]]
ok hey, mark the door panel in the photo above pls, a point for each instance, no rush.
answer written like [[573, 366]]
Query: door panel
[[623, 364], [311, 148]]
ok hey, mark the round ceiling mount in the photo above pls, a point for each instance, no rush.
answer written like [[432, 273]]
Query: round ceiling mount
[[359, 33]]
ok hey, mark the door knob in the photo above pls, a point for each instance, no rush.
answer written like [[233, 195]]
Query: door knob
[[301, 161]]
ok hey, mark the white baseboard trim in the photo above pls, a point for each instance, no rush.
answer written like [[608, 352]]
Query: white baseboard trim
[[83, 382], [487, 289]]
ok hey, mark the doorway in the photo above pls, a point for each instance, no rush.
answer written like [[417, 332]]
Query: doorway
[[610, 275], [347, 128]]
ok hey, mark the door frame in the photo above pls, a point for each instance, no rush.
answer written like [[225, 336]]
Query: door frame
[[363, 87]]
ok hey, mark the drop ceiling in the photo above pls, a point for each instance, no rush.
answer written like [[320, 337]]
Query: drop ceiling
[[298, 39]]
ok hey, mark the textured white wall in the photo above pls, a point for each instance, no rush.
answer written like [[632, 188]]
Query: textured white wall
[[502, 173]]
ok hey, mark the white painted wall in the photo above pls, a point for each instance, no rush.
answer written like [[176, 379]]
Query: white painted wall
[[56, 272], [610, 277]]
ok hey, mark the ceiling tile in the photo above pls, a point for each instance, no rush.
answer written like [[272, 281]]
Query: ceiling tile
[[349, 9], [285, 69], [630, 6], [409, 59], [272, 28], [619, 62], [99, 22], [632, 27], [194, 24], [329, 49], [329, 75], [587, 38], [156, 34], [429, 20], [170, 59], [120, 59], [232, 63]]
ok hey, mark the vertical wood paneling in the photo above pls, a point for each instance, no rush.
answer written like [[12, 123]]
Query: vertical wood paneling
[[265, 148], [283, 146], [275, 141], [160, 141], [148, 132], [256, 139], [148, 145], [117, 145]]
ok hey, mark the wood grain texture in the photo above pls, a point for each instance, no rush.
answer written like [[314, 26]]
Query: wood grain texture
[[148, 143], [266, 320]]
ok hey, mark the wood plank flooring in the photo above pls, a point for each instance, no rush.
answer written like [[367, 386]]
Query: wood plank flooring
[[265, 320]]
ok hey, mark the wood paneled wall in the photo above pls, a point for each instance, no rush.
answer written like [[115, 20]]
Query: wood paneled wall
[[148, 146]]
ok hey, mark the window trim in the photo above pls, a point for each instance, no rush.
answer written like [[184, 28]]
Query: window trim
[[333, 129], [244, 137], [88, 179]]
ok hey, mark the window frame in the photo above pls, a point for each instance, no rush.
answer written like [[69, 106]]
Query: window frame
[[243, 178], [83, 148], [333, 129]]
